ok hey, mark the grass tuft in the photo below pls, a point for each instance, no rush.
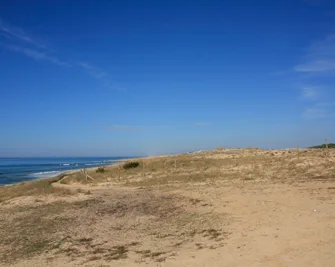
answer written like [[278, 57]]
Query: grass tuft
[[101, 169], [131, 165], [33, 188]]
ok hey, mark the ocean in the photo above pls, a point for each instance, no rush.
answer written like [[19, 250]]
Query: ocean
[[15, 170]]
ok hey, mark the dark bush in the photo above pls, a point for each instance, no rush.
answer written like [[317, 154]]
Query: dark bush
[[131, 165], [101, 169]]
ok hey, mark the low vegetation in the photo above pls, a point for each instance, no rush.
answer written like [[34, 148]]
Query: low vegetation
[[331, 145], [30, 231], [131, 165], [33, 188], [145, 210], [101, 169]]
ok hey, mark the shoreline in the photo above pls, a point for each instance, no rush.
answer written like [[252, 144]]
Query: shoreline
[[71, 171], [199, 209], [111, 162]]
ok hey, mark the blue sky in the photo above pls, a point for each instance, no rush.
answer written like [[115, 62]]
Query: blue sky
[[108, 78]]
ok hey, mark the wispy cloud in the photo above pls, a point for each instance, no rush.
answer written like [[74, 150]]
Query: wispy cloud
[[93, 71], [320, 57], [318, 106], [317, 2], [99, 74], [325, 104], [37, 55], [150, 127], [19, 34], [119, 127], [203, 123], [309, 93], [320, 110], [17, 40], [316, 66], [124, 128], [316, 113]]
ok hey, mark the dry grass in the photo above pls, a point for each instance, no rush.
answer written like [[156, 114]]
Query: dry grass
[[30, 230], [73, 229], [117, 222], [100, 169], [33, 188], [217, 166], [131, 165]]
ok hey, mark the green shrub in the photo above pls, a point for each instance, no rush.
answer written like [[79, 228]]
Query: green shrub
[[324, 146], [101, 169], [131, 165]]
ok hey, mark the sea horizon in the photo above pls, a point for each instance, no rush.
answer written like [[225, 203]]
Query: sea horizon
[[21, 169]]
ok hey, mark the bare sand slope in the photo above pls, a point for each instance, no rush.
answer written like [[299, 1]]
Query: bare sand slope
[[219, 208]]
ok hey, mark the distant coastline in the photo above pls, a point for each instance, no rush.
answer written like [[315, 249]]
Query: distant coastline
[[16, 170], [331, 145]]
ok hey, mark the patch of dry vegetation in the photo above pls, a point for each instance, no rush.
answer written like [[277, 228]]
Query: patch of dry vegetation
[[218, 166], [130, 211], [26, 231], [33, 188], [131, 165], [97, 228]]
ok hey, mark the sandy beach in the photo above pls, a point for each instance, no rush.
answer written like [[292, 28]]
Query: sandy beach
[[246, 207]]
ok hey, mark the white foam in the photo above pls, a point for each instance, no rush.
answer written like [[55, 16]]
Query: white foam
[[47, 174], [39, 173]]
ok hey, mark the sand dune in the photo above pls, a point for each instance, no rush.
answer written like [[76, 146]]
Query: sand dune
[[213, 208]]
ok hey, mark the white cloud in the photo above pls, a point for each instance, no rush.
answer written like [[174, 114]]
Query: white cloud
[[309, 93], [316, 66], [37, 55], [17, 33], [318, 63], [315, 113], [150, 127], [124, 128], [316, 2], [206, 123], [93, 71], [30, 47], [99, 74], [325, 104], [320, 57], [320, 110], [119, 127]]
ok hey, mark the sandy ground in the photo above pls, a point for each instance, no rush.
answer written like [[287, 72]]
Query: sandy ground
[[276, 210]]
